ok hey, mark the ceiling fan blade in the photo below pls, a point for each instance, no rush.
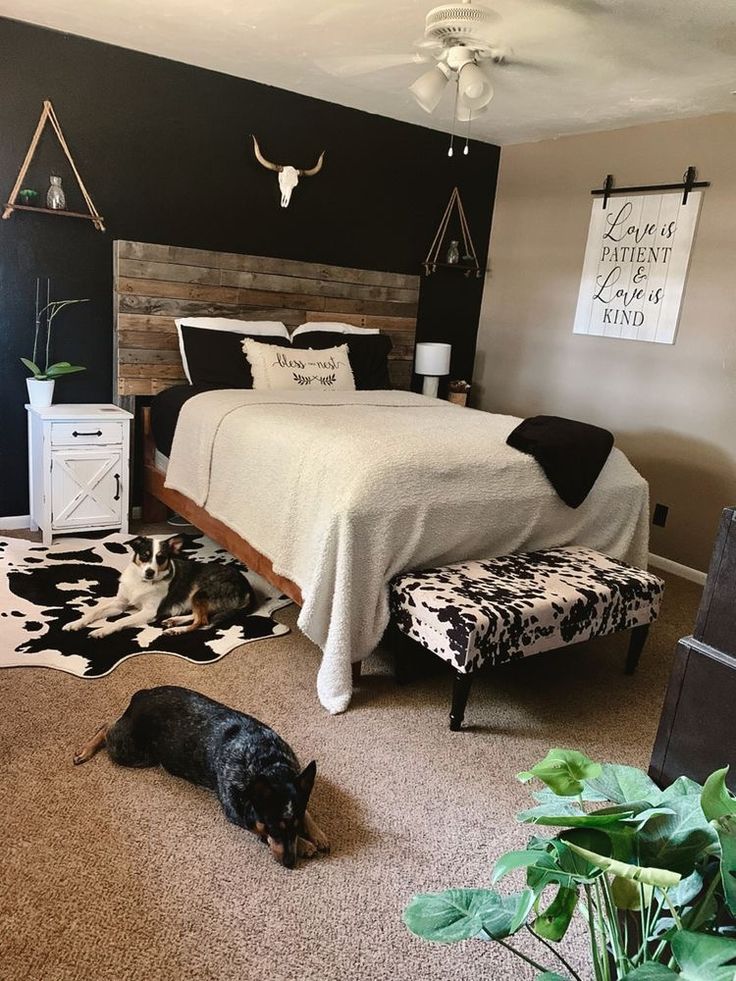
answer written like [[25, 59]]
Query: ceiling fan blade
[[346, 66]]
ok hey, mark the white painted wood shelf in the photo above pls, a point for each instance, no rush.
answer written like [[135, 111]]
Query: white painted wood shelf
[[78, 468]]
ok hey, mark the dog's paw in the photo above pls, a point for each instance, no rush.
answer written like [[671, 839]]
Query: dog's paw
[[74, 625], [100, 632], [304, 848], [168, 622]]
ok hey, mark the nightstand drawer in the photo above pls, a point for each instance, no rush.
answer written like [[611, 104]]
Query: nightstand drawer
[[86, 433]]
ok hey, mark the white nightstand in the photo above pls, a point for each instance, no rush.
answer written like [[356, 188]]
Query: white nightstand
[[78, 468]]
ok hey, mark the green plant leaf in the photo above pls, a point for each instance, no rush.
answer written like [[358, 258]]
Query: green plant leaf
[[563, 771], [511, 861], [661, 878], [559, 865], [702, 957], [687, 890], [553, 922], [640, 819], [523, 908], [627, 894], [459, 914], [56, 370], [678, 840], [597, 819], [33, 368], [716, 799], [552, 976], [651, 972], [624, 784], [726, 830], [682, 787]]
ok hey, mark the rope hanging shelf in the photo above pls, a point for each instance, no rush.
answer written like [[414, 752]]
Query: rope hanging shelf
[[48, 114], [468, 261]]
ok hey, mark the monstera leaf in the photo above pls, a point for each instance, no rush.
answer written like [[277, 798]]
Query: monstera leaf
[[676, 840], [563, 771], [459, 914], [552, 924], [624, 784], [702, 957], [662, 878]]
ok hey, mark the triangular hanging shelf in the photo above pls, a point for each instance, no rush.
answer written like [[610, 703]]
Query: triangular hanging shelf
[[468, 261], [11, 206]]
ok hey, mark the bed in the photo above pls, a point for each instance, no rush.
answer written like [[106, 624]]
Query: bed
[[330, 494]]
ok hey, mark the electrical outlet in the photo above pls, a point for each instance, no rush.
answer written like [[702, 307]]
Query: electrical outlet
[[659, 518]]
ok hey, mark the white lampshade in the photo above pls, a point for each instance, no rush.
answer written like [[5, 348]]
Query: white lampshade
[[428, 88], [475, 89], [465, 115], [433, 359]]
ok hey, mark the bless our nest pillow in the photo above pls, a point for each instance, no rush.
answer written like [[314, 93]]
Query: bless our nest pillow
[[286, 368]]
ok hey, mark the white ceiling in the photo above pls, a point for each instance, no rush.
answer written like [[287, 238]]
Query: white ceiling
[[599, 64]]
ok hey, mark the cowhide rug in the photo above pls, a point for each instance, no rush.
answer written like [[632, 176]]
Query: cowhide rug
[[42, 588]]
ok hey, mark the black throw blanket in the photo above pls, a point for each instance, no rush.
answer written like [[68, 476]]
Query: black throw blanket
[[572, 454]]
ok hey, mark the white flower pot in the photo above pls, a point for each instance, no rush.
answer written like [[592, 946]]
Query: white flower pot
[[40, 393]]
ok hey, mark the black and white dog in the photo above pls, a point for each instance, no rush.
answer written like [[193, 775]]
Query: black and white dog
[[161, 586]]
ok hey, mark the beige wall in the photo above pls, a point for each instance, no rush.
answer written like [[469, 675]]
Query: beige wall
[[672, 408]]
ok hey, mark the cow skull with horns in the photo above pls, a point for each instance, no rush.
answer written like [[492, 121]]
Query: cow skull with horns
[[288, 176]]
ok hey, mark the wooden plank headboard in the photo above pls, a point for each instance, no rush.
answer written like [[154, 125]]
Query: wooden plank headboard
[[153, 284]]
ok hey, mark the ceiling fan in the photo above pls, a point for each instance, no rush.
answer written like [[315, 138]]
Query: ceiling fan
[[458, 36], [462, 41]]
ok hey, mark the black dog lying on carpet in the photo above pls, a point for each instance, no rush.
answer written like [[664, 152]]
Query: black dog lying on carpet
[[253, 771]]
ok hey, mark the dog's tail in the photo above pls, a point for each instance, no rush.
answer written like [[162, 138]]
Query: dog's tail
[[227, 617]]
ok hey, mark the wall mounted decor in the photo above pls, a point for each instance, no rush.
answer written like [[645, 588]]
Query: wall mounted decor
[[288, 176], [636, 260], [58, 207], [454, 259]]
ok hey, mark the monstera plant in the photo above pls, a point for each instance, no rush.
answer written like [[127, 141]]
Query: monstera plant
[[651, 872]]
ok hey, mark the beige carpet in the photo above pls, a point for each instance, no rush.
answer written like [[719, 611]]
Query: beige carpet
[[117, 875]]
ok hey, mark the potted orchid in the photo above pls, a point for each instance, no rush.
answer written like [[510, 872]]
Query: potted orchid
[[41, 383]]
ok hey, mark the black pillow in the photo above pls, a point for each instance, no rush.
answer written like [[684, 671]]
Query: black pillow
[[215, 358], [368, 354]]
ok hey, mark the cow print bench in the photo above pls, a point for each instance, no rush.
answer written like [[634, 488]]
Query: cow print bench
[[499, 610]]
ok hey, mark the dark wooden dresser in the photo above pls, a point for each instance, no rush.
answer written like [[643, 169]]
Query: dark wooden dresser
[[697, 733]]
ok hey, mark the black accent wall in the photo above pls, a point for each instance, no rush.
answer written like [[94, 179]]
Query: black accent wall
[[164, 149]]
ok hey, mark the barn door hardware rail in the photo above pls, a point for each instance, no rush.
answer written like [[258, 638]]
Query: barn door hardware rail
[[686, 185], [48, 115]]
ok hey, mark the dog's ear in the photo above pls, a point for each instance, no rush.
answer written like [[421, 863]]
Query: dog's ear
[[175, 544], [305, 780], [135, 543]]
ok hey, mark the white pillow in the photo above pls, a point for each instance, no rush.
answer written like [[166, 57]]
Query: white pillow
[[275, 367], [269, 328], [333, 328]]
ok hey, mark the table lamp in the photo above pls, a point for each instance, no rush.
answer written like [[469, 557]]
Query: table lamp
[[432, 361]]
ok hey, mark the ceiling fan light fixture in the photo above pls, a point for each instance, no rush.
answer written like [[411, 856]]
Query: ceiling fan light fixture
[[465, 114], [475, 88], [429, 87]]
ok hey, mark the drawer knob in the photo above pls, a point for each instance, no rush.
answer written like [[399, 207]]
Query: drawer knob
[[97, 433]]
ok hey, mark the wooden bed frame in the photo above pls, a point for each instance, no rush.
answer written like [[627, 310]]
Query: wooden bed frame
[[154, 284]]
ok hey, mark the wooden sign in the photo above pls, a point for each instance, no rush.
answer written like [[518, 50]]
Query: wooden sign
[[636, 263]]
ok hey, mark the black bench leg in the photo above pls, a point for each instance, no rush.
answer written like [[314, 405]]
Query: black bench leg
[[636, 646], [460, 692]]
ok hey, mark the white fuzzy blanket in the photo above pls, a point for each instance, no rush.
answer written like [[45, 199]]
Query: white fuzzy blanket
[[341, 491]]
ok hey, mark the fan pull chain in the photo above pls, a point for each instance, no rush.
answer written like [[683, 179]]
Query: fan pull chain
[[466, 148], [454, 117]]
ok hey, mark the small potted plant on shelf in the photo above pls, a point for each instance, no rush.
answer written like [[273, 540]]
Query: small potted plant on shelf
[[458, 392], [41, 383], [651, 875]]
